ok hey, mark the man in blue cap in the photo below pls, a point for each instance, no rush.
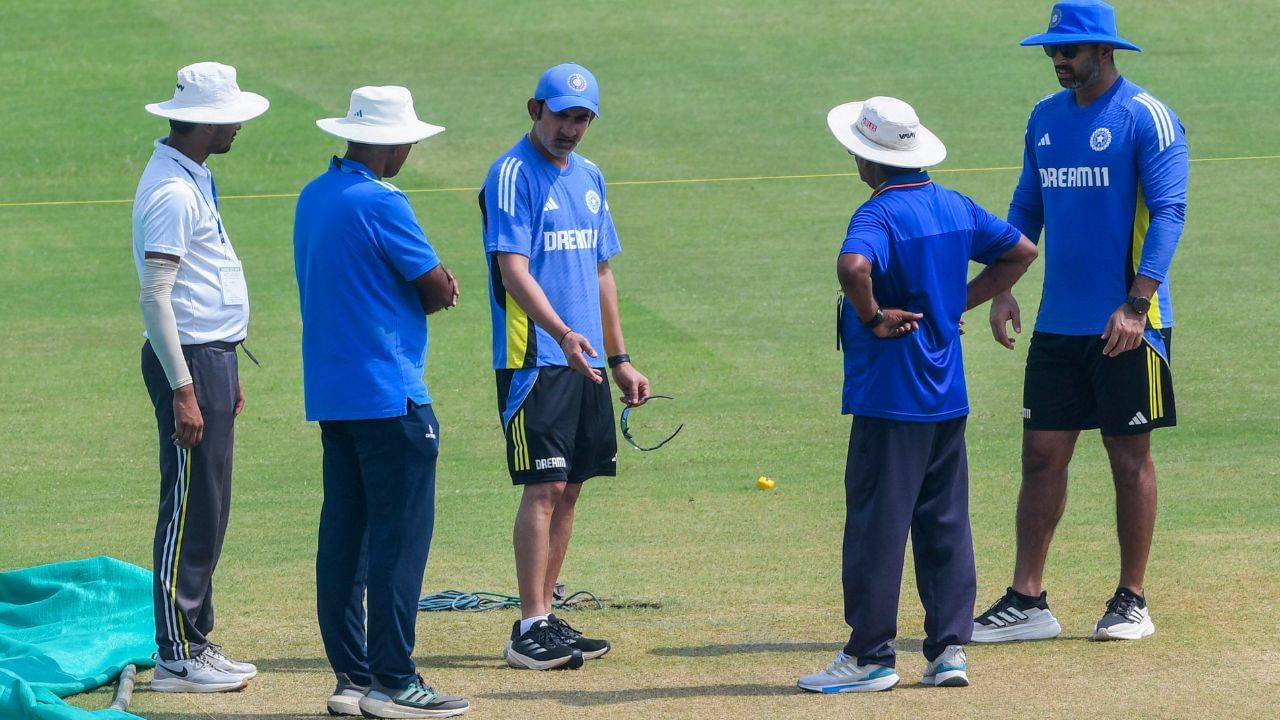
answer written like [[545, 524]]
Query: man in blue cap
[[1105, 175], [549, 236]]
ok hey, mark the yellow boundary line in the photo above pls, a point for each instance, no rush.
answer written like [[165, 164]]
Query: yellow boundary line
[[620, 183]]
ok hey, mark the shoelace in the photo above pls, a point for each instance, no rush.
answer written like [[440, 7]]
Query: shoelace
[[1126, 606], [565, 630], [548, 636]]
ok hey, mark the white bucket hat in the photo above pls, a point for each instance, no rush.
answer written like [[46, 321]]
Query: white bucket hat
[[207, 93], [885, 130], [380, 116]]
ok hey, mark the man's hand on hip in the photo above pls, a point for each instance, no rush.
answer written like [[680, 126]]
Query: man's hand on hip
[[1124, 331], [896, 323], [188, 422]]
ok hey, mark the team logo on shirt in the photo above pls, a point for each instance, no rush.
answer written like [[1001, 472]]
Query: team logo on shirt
[[1055, 17], [1100, 139], [577, 82], [593, 201]]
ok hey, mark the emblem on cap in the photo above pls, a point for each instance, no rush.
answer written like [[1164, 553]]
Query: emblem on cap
[[593, 201], [1055, 17], [577, 83], [1100, 139]]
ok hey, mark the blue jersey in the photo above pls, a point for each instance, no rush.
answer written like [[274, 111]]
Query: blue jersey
[[357, 247], [1108, 183], [919, 238], [560, 220]]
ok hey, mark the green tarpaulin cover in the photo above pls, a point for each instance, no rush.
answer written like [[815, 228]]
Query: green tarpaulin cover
[[67, 628]]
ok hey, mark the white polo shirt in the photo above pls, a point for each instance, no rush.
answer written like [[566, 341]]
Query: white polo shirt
[[175, 213]]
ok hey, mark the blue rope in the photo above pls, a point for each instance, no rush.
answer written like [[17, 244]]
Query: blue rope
[[481, 601]]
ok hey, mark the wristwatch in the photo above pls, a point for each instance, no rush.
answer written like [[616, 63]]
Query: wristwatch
[[875, 319], [1139, 304]]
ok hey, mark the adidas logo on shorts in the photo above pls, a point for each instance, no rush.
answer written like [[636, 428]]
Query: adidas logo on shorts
[[1139, 419]]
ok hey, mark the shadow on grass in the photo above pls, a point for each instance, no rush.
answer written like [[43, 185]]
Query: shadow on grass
[[588, 698], [202, 715], [902, 645], [425, 663]]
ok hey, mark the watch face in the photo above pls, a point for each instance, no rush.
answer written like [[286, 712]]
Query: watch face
[[1140, 305]]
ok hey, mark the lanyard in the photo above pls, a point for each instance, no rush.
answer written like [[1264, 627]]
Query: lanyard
[[213, 207]]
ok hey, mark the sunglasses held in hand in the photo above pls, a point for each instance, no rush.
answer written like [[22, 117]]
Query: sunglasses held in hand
[[626, 427]]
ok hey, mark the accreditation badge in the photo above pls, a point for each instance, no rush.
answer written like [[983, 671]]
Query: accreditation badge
[[234, 289]]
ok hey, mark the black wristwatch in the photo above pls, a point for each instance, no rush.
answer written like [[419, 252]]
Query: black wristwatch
[[616, 360], [1139, 304], [875, 319]]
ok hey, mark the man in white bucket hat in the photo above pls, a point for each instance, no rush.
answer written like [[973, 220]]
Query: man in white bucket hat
[[195, 307], [903, 269], [367, 279]]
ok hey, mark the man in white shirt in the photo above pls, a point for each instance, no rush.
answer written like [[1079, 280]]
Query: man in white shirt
[[195, 307]]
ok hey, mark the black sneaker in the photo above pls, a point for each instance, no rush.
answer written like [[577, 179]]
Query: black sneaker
[[541, 648], [1014, 618], [591, 649], [1126, 618]]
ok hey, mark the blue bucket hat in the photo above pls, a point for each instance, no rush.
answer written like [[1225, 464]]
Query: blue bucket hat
[[569, 85], [1081, 21]]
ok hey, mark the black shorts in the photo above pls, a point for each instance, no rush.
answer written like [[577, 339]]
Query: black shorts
[[1071, 385], [558, 424]]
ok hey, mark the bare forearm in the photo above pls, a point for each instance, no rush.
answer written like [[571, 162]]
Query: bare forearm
[[854, 273], [609, 316], [528, 294]]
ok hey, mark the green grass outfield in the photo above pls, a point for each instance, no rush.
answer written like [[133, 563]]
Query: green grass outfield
[[727, 290]]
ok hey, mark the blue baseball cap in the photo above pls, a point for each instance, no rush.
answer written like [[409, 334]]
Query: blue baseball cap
[[1081, 21], [569, 85]]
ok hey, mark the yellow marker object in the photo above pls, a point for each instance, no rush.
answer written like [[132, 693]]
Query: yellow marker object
[[765, 483]]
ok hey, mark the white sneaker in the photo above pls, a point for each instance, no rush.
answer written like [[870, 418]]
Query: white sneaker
[[195, 675], [345, 699], [1126, 618], [219, 660], [948, 670], [1013, 618], [844, 674]]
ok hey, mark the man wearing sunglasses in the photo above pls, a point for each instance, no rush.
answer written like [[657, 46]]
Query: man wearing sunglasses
[[1105, 175]]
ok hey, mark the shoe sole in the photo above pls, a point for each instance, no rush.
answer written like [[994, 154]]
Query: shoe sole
[[348, 706], [1145, 629], [1014, 633], [951, 678], [177, 685], [391, 710], [597, 654], [877, 685], [524, 662]]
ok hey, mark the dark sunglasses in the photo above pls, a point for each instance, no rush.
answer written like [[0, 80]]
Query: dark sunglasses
[[626, 426], [1068, 51]]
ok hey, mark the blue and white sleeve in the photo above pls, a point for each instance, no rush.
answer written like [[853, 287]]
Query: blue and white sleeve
[[508, 216], [1163, 170]]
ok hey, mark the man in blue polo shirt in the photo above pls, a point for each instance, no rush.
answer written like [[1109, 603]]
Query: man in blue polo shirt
[[903, 269], [367, 278], [549, 236], [1104, 173]]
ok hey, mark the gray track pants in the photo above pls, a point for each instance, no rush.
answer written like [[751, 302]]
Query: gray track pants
[[195, 497]]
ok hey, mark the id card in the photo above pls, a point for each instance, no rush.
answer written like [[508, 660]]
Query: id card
[[234, 289]]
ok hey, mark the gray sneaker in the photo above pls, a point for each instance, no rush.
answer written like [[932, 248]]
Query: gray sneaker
[[194, 675], [419, 700], [213, 653], [345, 699], [1126, 618]]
